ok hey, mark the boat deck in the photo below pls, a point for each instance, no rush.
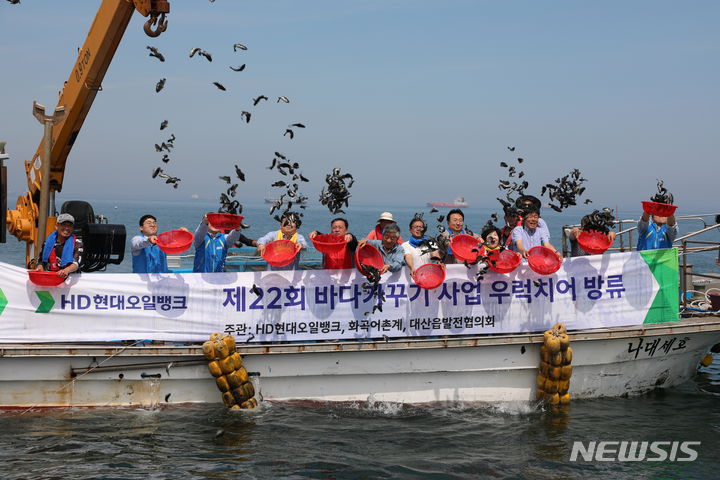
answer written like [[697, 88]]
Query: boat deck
[[245, 259]]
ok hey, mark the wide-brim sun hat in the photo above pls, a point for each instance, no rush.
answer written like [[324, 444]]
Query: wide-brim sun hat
[[386, 216]]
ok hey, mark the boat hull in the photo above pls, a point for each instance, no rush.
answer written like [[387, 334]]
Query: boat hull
[[606, 363]]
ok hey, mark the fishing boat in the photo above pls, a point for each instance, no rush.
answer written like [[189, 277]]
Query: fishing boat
[[271, 200], [473, 368], [459, 202], [495, 361], [101, 339]]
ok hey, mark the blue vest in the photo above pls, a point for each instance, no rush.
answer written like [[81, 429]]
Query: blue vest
[[654, 239], [150, 260], [210, 255]]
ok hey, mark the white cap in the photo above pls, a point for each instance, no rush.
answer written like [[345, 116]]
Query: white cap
[[386, 216]]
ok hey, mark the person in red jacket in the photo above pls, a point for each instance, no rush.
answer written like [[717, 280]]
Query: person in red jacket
[[386, 218], [343, 258]]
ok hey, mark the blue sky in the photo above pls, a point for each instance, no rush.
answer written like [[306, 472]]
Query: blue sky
[[418, 100]]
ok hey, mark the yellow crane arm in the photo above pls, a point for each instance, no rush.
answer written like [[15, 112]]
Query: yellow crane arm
[[77, 97]]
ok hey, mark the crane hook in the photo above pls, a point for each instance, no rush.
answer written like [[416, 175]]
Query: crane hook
[[160, 28]]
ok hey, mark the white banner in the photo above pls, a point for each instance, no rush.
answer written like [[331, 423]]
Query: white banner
[[587, 292]]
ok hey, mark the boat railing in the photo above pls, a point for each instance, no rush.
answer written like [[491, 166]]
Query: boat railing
[[244, 259], [626, 235], [687, 245]]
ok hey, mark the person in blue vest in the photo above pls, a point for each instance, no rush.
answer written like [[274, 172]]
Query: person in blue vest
[[62, 250], [146, 255], [656, 232], [211, 247]]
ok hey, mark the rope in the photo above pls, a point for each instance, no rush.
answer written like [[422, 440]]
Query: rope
[[702, 304], [63, 387]]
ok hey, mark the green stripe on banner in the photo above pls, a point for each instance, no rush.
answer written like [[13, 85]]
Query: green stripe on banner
[[664, 266], [46, 301], [3, 301]]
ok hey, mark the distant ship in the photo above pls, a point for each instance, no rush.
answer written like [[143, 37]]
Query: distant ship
[[458, 203], [275, 199]]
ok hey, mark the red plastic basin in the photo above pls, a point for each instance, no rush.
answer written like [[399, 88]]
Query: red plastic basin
[[224, 221], [45, 279], [542, 260], [280, 253], [465, 248], [430, 276], [658, 209], [368, 255], [329, 243], [174, 242], [593, 242], [505, 261]]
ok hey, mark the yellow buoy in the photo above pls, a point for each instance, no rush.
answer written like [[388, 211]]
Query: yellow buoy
[[230, 342], [227, 365], [551, 386], [209, 350], [565, 399], [552, 343], [221, 349], [222, 383], [556, 359], [237, 361], [234, 379], [215, 336], [249, 389], [555, 371], [559, 327], [243, 374], [706, 360], [563, 386], [564, 341], [544, 354], [214, 368], [240, 395], [228, 399]]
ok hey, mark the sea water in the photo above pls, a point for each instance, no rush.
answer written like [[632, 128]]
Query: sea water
[[369, 440], [358, 440]]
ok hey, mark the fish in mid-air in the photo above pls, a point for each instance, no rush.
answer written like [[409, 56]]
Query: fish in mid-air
[[154, 52]]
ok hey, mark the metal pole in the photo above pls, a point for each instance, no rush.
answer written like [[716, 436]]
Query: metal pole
[[3, 191], [49, 121], [683, 279]]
